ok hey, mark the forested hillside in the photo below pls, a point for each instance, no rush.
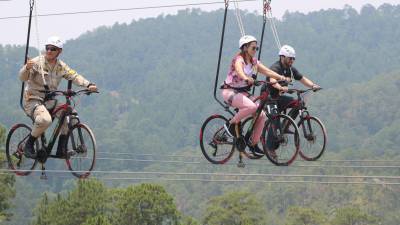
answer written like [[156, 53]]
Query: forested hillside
[[156, 79]]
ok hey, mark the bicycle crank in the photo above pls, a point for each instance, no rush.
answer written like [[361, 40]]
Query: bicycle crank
[[240, 144], [41, 156]]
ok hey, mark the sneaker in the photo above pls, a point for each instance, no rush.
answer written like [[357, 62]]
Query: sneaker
[[256, 150], [230, 129], [29, 149]]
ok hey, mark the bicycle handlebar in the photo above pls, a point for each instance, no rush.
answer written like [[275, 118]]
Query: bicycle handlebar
[[69, 93], [300, 91], [260, 82]]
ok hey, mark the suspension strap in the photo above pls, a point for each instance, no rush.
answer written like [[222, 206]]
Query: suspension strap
[[239, 18], [273, 26], [219, 59], [31, 4], [266, 6], [46, 87]]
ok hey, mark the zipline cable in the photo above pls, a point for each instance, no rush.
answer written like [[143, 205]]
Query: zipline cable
[[273, 175], [251, 163], [125, 9], [199, 156], [112, 179]]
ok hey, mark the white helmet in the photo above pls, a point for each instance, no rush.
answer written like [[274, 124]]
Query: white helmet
[[287, 51], [246, 39], [55, 41]]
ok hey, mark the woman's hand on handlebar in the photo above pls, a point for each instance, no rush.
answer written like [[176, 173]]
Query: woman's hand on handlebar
[[249, 81]]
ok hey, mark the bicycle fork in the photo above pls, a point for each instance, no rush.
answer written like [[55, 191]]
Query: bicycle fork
[[305, 116], [81, 148]]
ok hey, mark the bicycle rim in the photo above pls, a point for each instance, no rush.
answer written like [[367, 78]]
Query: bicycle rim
[[15, 143], [280, 140], [313, 138], [82, 141], [215, 143]]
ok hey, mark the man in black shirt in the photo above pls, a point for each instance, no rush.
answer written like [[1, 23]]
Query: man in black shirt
[[284, 66]]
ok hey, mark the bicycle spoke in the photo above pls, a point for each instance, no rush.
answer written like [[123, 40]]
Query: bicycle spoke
[[313, 135], [215, 144], [82, 143], [281, 140], [16, 139]]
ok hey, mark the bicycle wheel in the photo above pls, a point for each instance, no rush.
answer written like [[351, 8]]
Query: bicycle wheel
[[248, 153], [280, 140], [15, 144], [215, 143], [314, 138], [82, 141]]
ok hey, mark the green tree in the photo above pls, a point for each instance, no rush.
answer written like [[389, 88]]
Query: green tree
[[42, 211], [146, 204], [235, 208], [304, 216], [187, 220], [6, 182], [353, 216], [98, 220], [87, 200]]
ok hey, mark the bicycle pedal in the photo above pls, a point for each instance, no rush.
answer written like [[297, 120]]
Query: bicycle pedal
[[241, 164]]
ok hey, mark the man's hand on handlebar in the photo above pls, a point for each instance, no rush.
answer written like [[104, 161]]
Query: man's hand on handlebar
[[93, 88], [316, 87]]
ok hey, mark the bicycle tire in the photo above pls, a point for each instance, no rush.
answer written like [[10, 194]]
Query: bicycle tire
[[213, 138], [81, 139], [15, 143], [310, 141], [278, 155]]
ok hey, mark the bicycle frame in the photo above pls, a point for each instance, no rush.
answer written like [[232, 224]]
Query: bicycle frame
[[264, 100], [66, 110], [300, 105]]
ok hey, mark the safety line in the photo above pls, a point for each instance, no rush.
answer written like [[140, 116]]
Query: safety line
[[124, 9]]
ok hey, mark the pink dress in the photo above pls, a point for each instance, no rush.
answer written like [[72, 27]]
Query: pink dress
[[241, 100]]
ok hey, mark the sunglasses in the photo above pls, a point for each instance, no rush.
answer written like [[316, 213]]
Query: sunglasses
[[291, 58], [255, 48], [50, 48]]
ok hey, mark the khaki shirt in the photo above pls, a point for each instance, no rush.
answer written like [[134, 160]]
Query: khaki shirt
[[52, 76]]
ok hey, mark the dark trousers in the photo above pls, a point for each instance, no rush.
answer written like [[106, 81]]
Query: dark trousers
[[283, 102]]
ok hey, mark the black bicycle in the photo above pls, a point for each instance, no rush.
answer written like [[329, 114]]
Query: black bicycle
[[218, 147], [81, 140], [312, 130]]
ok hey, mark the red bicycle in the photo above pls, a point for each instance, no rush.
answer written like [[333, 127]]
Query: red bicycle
[[80, 139], [218, 147], [312, 130]]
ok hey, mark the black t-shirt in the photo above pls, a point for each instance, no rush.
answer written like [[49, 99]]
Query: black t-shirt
[[278, 68]]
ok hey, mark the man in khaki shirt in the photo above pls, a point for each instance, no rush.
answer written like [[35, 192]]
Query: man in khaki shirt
[[42, 71]]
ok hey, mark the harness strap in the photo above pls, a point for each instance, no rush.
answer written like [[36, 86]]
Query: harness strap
[[32, 116]]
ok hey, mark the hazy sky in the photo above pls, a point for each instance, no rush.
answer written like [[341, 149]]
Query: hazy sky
[[13, 31]]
